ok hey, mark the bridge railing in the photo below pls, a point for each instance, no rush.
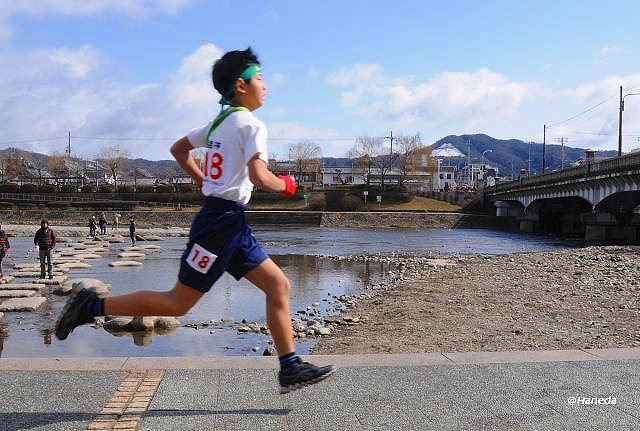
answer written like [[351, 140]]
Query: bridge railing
[[615, 164]]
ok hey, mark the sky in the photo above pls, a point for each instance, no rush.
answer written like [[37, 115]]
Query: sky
[[136, 73]]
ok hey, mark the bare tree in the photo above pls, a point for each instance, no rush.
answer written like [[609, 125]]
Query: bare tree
[[114, 158], [136, 172], [365, 151], [411, 151], [306, 157]]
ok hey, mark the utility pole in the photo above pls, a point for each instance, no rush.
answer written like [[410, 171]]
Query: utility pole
[[620, 123], [390, 138], [620, 120], [69, 145], [562, 141], [469, 171], [544, 147]]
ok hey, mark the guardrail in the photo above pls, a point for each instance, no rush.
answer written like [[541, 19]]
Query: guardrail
[[607, 166], [56, 198]]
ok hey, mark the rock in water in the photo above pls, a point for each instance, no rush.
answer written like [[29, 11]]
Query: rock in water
[[93, 284], [131, 254], [123, 263], [22, 304]]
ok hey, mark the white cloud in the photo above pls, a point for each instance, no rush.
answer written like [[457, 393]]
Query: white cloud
[[41, 8], [602, 57], [74, 89], [471, 97], [65, 89]]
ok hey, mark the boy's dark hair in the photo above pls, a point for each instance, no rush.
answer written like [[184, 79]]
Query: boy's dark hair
[[228, 68], [44, 220]]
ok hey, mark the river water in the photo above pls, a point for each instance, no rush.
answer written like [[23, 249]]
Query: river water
[[298, 251]]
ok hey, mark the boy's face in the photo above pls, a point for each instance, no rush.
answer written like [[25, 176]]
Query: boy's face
[[251, 95]]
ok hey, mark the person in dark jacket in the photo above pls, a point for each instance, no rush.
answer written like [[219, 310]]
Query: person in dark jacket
[[45, 241], [4, 248], [102, 222], [132, 230], [92, 226]]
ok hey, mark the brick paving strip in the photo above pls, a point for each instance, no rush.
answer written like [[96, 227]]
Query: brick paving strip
[[124, 411]]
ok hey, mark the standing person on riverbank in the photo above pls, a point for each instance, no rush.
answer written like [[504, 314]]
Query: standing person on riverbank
[[102, 222], [220, 240], [45, 241], [132, 230], [4, 249]]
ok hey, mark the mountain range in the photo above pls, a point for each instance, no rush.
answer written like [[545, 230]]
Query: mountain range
[[508, 155]]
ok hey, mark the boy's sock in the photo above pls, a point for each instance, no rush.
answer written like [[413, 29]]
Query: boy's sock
[[96, 308], [289, 359]]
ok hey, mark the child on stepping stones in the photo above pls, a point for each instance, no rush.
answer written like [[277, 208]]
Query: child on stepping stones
[[220, 239]]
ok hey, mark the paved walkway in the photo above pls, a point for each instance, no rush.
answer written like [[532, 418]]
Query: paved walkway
[[435, 391]]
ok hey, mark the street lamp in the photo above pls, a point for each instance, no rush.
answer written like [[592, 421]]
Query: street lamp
[[482, 159], [620, 119]]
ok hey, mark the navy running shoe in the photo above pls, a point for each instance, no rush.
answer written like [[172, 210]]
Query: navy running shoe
[[75, 313], [302, 374]]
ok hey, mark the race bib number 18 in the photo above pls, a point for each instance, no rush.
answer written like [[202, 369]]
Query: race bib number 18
[[200, 259]]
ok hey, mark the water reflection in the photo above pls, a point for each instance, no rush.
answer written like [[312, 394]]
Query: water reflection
[[294, 249]]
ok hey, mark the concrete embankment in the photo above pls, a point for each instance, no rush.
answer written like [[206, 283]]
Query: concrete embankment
[[308, 218]]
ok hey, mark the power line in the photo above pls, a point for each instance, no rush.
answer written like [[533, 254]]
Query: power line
[[583, 112], [26, 141]]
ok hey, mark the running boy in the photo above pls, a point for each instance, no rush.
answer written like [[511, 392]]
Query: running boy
[[220, 239]]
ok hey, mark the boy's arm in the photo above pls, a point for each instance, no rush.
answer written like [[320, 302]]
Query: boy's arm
[[262, 177], [180, 151]]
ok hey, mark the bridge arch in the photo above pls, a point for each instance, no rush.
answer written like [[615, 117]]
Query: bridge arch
[[559, 215]]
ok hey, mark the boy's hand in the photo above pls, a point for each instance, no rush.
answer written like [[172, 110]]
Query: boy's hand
[[289, 185]]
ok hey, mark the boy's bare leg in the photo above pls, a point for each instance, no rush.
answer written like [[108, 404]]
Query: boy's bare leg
[[269, 278], [175, 302]]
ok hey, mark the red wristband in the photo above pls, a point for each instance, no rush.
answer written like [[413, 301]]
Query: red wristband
[[289, 184]]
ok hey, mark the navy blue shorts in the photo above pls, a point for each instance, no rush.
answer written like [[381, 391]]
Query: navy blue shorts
[[220, 240]]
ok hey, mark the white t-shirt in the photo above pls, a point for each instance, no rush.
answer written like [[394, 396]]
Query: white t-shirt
[[231, 145]]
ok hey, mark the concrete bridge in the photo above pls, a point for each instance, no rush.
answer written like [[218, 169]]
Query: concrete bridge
[[600, 200]]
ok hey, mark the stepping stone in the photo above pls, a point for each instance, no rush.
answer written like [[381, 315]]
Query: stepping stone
[[16, 293], [133, 248], [1, 316], [70, 253], [93, 284], [62, 239], [58, 260], [62, 289], [20, 286], [56, 280], [151, 247], [124, 263], [23, 266], [131, 254], [74, 265], [89, 256], [31, 274], [22, 304], [149, 238]]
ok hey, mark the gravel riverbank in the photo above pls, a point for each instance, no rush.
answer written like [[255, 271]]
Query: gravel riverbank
[[564, 299]]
